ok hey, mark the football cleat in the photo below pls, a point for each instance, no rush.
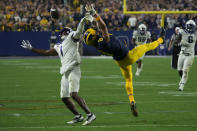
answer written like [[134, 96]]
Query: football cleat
[[181, 87], [76, 119], [133, 109], [137, 73], [89, 119]]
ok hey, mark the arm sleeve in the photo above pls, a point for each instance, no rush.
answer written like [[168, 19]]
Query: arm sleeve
[[77, 34]]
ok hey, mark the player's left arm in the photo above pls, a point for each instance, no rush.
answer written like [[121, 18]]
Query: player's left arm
[[50, 52]]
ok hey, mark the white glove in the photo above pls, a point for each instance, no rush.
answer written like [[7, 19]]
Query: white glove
[[87, 17], [26, 45], [90, 8]]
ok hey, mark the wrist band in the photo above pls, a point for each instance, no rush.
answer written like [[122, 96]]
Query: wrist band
[[98, 18]]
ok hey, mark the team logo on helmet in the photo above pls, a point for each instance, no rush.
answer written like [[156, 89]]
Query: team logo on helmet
[[90, 36]]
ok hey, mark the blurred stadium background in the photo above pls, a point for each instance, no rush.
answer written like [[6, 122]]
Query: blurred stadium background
[[23, 19], [29, 87]]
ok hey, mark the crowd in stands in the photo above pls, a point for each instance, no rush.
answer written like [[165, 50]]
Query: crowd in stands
[[33, 15]]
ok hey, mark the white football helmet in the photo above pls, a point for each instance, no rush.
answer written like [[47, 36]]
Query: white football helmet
[[142, 29], [190, 26]]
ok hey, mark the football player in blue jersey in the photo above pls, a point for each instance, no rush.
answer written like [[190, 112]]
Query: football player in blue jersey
[[108, 44]]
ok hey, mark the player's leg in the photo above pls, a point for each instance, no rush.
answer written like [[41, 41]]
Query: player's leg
[[140, 50], [140, 66], [127, 74], [181, 60], [187, 64], [65, 95], [74, 81]]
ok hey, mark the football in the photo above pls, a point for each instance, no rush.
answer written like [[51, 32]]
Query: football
[[54, 13]]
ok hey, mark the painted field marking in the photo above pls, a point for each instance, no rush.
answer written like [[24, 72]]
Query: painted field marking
[[178, 93], [102, 126]]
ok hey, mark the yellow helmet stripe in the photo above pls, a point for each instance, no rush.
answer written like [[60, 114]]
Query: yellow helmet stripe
[[88, 37]]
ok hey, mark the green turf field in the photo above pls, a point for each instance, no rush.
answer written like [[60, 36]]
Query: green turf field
[[29, 97]]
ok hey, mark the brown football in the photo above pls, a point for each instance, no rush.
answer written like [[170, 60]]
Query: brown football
[[54, 13]]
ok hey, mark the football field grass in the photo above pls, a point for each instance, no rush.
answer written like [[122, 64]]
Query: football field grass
[[29, 96]]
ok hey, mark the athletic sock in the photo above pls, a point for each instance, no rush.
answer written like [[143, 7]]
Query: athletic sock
[[89, 114]]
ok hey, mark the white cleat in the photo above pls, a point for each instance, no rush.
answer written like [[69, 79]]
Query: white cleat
[[181, 87], [89, 119], [76, 119], [137, 73]]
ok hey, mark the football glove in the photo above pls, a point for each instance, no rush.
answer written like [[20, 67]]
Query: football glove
[[26, 45], [90, 9], [87, 17]]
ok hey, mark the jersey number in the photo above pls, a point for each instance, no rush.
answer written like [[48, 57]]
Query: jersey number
[[190, 39], [141, 39]]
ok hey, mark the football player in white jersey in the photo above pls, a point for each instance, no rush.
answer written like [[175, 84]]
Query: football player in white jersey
[[187, 39], [70, 69], [140, 36]]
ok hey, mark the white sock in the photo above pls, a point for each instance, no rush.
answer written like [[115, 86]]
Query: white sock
[[89, 114], [78, 115], [184, 77]]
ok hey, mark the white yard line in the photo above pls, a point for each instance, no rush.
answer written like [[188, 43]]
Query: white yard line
[[102, 126]]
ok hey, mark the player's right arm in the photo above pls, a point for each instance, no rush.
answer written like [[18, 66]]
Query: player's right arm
[[100, 22], [103, 27], [26, 45]]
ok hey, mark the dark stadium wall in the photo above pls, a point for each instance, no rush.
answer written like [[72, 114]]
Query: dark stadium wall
[[11, 41]]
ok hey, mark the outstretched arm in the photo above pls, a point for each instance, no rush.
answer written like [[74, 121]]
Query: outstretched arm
[[99, 21], [80, 28], [50, 52], [26, 45], [103, 27]]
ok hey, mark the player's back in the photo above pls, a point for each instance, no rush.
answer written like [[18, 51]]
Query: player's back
[[114, 47], [141, 38], [188, 41]]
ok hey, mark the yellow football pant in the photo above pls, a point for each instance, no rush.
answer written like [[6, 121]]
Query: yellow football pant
[[132, 56]]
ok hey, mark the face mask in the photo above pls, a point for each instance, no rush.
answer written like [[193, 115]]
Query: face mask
[[64, 37]]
